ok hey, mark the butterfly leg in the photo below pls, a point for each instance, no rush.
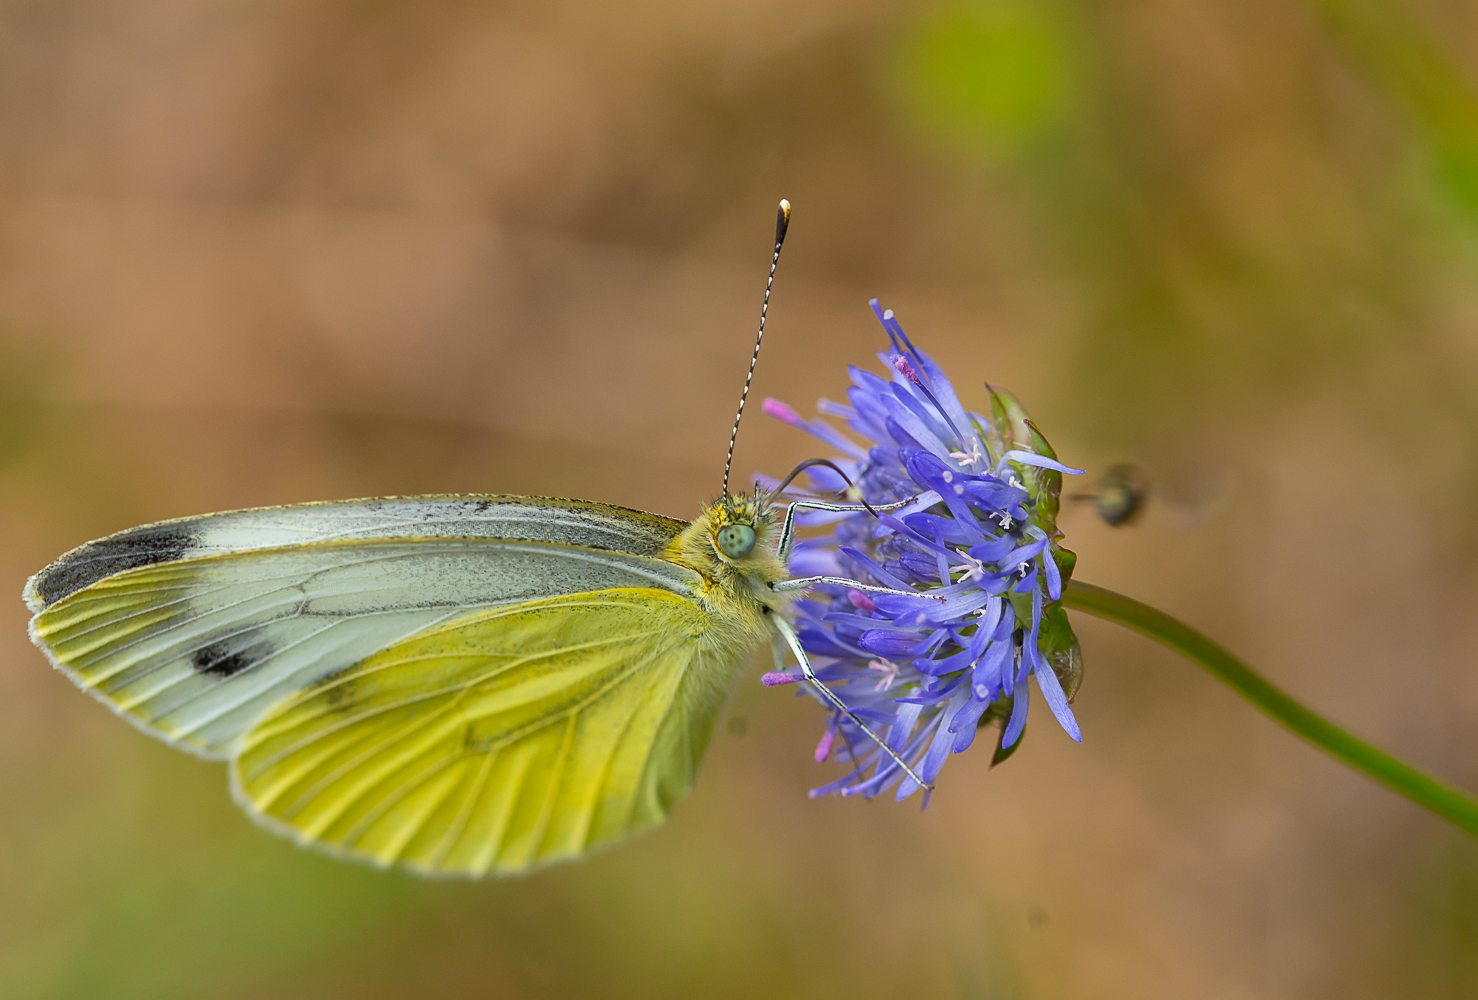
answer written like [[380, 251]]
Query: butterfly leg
[[787, 528], [793, 641], [802, 582]]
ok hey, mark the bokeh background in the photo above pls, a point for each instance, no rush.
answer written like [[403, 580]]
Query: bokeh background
[[259, 251]]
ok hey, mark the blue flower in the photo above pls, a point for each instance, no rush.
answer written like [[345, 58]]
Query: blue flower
[[976, 554]]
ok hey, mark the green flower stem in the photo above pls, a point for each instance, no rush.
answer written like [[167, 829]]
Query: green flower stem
[[1427, 792]]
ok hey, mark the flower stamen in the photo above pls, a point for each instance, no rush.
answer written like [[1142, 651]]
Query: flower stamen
[[968, 458], [974, 569], [901, 365], [889, 671]]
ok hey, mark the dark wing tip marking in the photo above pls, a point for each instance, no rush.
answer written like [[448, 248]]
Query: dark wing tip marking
[[87, 564]]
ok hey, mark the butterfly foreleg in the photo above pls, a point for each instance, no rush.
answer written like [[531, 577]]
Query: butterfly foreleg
[[787, 528], [802, 582], [793, 641]]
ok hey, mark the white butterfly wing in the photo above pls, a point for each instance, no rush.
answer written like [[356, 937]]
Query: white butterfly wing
[[194, 628], [576, 522]]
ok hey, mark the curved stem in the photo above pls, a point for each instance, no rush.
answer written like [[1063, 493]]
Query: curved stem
[[1425, 791]]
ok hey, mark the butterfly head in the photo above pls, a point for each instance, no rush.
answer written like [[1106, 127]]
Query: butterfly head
[[735, 525], [735, 537]]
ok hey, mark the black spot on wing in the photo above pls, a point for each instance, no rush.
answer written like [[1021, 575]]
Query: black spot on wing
[[84, 566], [220, 660], [337, 693]]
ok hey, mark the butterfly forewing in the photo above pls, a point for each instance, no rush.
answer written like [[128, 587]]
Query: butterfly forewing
[[197, 645], [546, 519], [513, 738]]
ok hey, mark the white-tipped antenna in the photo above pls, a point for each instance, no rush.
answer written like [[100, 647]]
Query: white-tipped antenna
[[782, 223]]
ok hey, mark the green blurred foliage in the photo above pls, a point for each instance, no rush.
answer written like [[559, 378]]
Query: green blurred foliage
[[995, 76], [1401, 56]]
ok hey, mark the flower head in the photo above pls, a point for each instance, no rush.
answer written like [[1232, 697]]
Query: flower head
[[975, 554]]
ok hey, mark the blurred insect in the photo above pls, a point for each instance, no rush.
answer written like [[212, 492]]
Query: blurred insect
[[453, 684], [1120, 496]]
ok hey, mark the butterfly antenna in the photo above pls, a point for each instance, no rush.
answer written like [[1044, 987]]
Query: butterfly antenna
[[782, 223]]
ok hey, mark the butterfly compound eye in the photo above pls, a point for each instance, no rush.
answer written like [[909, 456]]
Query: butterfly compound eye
[[736, 540]]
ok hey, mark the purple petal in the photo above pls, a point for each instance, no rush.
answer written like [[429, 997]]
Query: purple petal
[[966, 724], [888, 643], [823, 749], [1056, 700], [922, 502], [818, 429], [940, 529], [1032, 458], [943, 739], [1030, 654], [993, 550], [831, 409], [808, 559], [873, 569], [989, 673], [899, 434], [1017, 721], [995, 494], [903, 723], [871, 414], [915, 428], [928, 471], [917, 402], [827, 643], [906, 530], [1054, 577], [899, 605]]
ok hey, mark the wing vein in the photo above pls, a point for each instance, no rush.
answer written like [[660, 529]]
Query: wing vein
[[464, 812]]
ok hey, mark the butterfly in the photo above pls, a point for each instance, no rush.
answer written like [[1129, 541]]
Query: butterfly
[[455, 685]]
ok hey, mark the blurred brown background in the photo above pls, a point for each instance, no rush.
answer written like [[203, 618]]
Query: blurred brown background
[[260, 252]]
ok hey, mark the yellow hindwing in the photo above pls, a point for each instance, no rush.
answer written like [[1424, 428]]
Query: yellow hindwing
[[501, 741]]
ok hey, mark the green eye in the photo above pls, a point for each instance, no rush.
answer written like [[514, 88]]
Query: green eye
[[736, 540]]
